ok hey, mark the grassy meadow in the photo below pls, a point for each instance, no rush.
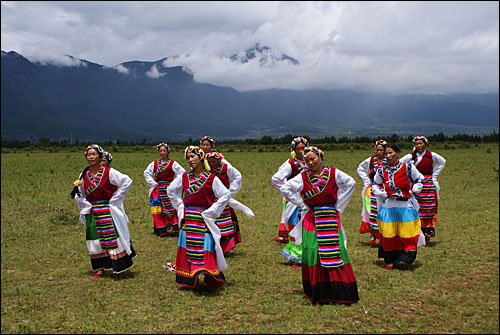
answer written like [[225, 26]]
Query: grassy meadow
[[47, 284]]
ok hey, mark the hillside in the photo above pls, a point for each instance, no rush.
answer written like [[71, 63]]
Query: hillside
[[144, 100]]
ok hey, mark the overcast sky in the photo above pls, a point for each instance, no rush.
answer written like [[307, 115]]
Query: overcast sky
[[396, 47]]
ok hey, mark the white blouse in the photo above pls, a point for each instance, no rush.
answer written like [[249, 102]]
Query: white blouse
[[148, 174], [120, 219], [174, 191]]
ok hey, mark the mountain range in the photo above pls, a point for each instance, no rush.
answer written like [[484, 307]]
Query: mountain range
[[139, 100]]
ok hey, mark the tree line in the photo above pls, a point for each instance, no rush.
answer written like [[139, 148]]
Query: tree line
[[264, 140]]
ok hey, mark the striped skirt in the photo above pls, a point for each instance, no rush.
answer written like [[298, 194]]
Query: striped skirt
[[369, 214], [196, 252], [428, 202], [164, 214], [227, 229], [400, 229], [321, 284], [106, 249]]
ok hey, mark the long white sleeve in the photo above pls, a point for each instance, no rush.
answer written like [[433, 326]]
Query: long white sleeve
[[279, 178], [406, 158], [291, 190], [439, 164], [212, 213], [378, 189], [178, 169], [174, 192], [222, 194], [345, 184], [148, 175], [364, 171], [124, 184], [417, 177], [235, 177]]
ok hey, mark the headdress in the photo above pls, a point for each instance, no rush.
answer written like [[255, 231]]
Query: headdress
[[108, 156], [163, 144], [420, 138], [296, 141], [316, 150], [215, 154], [209, 139], [199, 152], [97, 147], [381, 142]]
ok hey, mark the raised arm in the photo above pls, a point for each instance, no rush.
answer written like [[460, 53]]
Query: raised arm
[[439, 164], [124, 184], [174, 192], [148, 175], [235, 177], [291, 190], [279, 178], [346, 186], [364, 170]]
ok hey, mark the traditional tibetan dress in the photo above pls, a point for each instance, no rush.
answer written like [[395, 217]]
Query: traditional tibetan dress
[[327, 274], [107, 235], [366, 171], [398, 219], [159, 175], [427, 198], [198, 240], [227, 221], [290, 213]]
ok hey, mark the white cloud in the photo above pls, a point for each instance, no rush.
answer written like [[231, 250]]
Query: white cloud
[[154, 73], [122, 69], [383, 46]]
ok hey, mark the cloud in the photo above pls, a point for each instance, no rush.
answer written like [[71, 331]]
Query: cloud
[[122, 69], [411, 47], [154, 73]]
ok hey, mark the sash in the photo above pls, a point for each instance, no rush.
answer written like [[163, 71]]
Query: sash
[[166, 204], [194, 226], [218, 169], [327, 234], [104, 224], [94, 181], [318, 184], [225, 223]]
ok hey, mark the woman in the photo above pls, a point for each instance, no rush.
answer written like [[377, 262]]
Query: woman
[[159, 174], [106, 159], [428, 198], [323, 193], [290, 213], [398, 219], [194, 197], [231, 179], [366, 171], [100, 199]]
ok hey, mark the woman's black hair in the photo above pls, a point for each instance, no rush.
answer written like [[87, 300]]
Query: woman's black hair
[[75, 189], [393, 146]]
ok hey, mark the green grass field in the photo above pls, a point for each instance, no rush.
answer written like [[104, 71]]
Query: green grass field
[[48, 287]]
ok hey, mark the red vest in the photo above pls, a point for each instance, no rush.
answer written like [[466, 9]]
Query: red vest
[[296, 168], [105, 189], [329, 194], [400, 180], [425, 166], [205, 197], [167, 174], [224, 178]]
